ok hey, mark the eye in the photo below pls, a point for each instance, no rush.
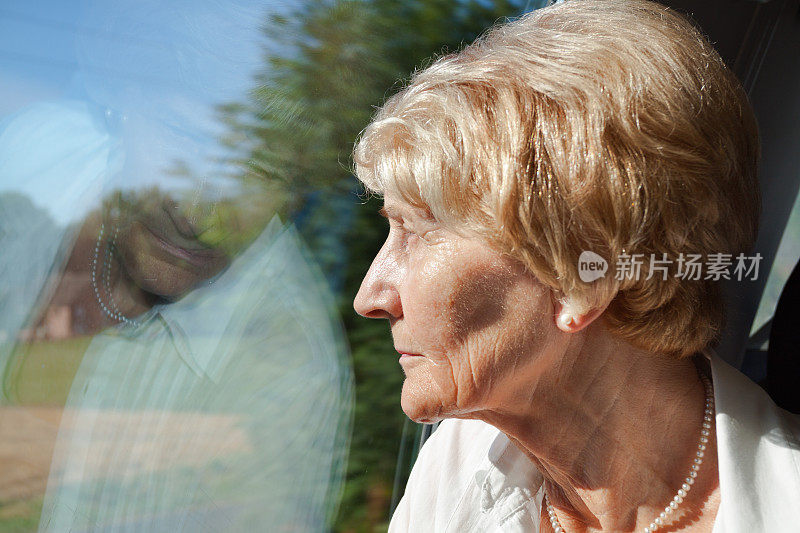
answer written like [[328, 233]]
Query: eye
[[398, 232], [408, 234], [413, 235], [428, 233]]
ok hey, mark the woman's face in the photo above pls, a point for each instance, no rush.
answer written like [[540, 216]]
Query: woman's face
[[162, 249], [473, 327]]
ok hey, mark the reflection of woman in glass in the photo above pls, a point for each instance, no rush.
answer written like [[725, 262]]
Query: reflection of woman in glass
[[193, 347], [203, 342]]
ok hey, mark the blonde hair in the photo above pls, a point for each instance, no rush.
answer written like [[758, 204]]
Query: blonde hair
[[611, 126]]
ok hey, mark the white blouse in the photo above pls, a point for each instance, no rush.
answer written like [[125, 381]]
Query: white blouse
[[470, 477]]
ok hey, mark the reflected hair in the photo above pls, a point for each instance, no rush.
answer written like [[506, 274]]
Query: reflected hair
[[610, 126]]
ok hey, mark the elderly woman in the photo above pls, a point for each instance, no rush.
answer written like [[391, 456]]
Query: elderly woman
[[547, 189]]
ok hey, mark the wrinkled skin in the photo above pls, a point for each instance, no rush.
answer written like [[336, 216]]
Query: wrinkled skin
[[477, 319]]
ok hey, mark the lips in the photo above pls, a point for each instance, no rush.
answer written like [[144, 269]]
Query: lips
[[195, 255]]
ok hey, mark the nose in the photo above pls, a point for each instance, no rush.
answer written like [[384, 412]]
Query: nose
[[378, 296]]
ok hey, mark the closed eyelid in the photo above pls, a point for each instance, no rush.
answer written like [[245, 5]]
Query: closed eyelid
[[418, 227]]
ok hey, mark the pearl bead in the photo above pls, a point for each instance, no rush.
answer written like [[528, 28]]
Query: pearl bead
[[658, 521], [673, 504], [681, 493]]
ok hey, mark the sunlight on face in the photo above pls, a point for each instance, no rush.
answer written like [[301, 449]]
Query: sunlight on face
[[470, 323]]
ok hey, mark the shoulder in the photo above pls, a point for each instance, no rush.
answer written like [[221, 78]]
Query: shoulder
[[468, 476], [758, 445], [746, 409], [442, 474]]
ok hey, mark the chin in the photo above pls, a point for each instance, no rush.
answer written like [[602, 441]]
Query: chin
[[168, 287], [419, 410], [163, 279]]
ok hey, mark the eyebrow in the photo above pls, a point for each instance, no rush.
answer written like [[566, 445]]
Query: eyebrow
[[389, 212]]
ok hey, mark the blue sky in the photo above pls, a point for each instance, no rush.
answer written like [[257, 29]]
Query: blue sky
[[136, 80], [36, 52]]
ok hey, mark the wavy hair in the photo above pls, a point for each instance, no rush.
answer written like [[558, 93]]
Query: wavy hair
[[610, 126]]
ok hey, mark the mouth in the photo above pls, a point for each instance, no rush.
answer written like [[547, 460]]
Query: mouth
[[198, 257], [404, 355]]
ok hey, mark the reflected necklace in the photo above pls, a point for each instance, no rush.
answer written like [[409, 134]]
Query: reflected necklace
[[105, 274], [687, 483]]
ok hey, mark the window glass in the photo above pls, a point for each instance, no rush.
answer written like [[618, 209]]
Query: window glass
[[171, 353], [786, 258]]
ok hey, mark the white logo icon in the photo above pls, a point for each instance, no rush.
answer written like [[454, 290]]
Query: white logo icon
[[591, 266]]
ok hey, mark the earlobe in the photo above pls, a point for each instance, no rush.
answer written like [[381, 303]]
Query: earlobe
[[572, 321], [565, 322]]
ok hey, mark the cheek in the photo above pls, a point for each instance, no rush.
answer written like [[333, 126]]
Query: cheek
[[477, 302], [497, 327], [453, 294], [458, 303], [431, 298], [480, 321]]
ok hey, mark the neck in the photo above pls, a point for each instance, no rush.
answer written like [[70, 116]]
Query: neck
[[129, 297], [614, 431]]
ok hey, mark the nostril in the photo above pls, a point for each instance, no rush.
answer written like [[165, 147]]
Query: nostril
[[386, 308], [377, 313]]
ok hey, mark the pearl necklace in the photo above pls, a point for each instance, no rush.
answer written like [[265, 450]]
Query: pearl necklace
[[688, 482], [114, 312]]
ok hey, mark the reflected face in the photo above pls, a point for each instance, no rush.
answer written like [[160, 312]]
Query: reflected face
[[162, 249], [471, 325]]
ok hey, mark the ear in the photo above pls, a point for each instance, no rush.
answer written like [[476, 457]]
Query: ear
[[570, 320]]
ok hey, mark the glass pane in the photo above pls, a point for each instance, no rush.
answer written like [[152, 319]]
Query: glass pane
[[786, 258], [172, 355]]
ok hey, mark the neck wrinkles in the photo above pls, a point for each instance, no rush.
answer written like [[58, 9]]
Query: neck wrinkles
[[613, 430]]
